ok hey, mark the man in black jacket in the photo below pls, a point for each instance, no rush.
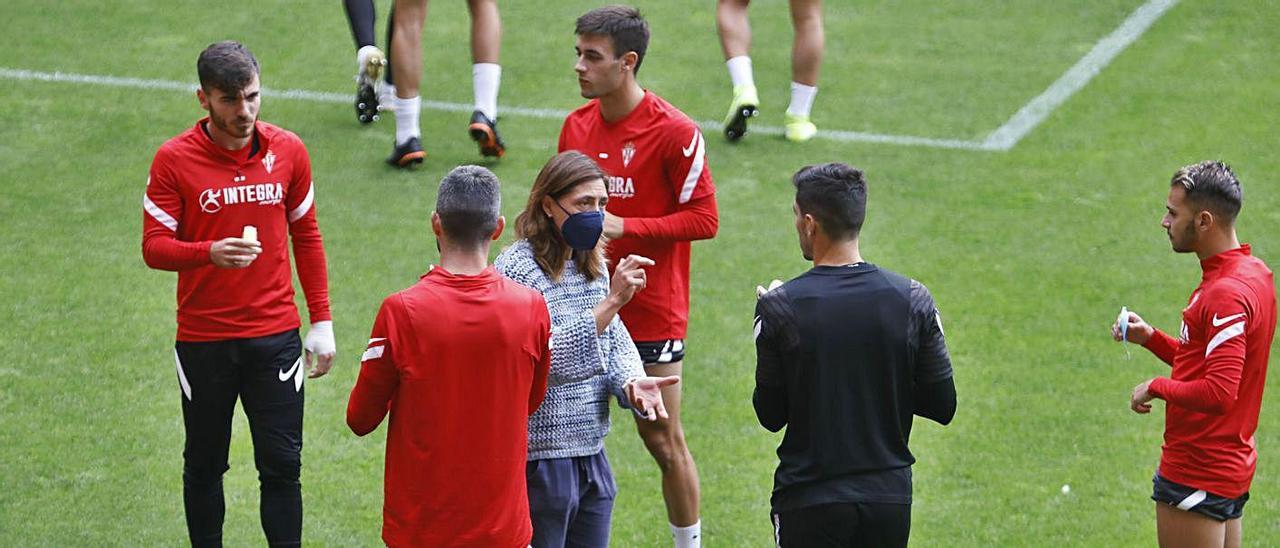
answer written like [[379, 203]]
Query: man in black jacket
[[846, 354]]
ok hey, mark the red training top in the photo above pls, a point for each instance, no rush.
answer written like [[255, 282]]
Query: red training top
[[1219, 369], [199, 192], [660, 183], [460, 362]]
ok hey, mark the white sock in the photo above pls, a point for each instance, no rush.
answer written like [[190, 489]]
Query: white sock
[[740, 71], [485, 78], [387, 97], [407, 118], [801, 99], [688, 537], [363, 55]]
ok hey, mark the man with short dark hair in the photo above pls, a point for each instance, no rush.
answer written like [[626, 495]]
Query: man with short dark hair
[[867, 344], [1219, 364], [460, 360], [661, 198], [222, 202]]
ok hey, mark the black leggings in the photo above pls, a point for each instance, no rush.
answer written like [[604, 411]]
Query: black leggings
[[265, 373], [844, 524]]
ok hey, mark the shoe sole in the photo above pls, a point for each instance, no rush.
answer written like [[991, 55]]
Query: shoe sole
[[415, 157], [366, 104], [484, 136], [737, 127], [366, 93]]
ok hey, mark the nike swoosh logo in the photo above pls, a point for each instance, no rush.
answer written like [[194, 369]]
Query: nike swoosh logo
[[692, 144], [1219, 322], [284, 375]]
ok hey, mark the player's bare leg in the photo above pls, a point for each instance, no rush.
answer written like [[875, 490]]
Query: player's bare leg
[[664, 439], [486, 73], [735, 40], [1182, 529], [734, 28], [806, 59], [406, 63], [1235, 534]]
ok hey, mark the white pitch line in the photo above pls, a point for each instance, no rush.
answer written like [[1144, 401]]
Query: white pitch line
[[1035, 112], [543, 113], [1002, 139]]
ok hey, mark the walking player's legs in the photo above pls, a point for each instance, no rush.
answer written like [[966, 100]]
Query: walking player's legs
[[272, 396], [486, 76], [806, 58], [664, 439], [209, 385], [407, 20], [735, 41]]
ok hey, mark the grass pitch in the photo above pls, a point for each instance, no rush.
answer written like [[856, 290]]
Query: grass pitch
[[1029, 253]]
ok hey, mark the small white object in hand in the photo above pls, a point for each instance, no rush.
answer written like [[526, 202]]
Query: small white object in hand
[[250, 233], [1066, 489]]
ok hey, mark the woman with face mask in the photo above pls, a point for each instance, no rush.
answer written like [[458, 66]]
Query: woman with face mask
[[561, 254]]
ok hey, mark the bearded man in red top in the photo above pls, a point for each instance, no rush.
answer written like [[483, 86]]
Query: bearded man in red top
[[1219, 365], [660, 199], [223, 200]]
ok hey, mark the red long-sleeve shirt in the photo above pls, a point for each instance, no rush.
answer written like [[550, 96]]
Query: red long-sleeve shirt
[[197, 193], [1214, 391], [660, 184], [460, 362]]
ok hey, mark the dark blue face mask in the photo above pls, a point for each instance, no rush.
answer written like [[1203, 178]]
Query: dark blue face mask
[[582, 230]]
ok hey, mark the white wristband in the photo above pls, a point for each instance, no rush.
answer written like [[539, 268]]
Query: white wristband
[[320, 338]]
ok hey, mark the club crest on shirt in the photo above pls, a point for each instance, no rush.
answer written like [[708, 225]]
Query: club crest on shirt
[[628, 152], [269, 161]]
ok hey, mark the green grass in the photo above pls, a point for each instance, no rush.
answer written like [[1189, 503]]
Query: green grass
[[1029, 253]]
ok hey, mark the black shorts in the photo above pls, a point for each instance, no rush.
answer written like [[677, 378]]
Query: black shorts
[[657, 352], [1200, 501], [843, 524]]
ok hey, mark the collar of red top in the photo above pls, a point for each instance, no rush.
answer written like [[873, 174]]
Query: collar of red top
[[644, 102], [437, 272], [263, 132], [1217, 261]]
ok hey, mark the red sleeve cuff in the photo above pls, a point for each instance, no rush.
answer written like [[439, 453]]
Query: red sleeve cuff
[[1157, 387]]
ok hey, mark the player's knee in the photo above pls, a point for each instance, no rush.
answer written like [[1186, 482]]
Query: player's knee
[[667, 447], [279, 467], [203, 472]]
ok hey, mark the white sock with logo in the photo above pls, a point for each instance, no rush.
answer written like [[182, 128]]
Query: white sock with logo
[[407, 118], [688, 537], [485, 78], [801, 99], [740, 71]]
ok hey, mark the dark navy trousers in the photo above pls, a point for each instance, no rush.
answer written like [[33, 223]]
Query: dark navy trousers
[[571, 501]]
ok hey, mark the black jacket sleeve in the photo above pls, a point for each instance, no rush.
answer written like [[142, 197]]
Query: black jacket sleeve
[[770, 396], [935, 389]]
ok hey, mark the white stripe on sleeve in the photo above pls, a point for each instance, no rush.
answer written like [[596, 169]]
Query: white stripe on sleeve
[[695, 170], [158, 214], [1235, 330], [305, 206]]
